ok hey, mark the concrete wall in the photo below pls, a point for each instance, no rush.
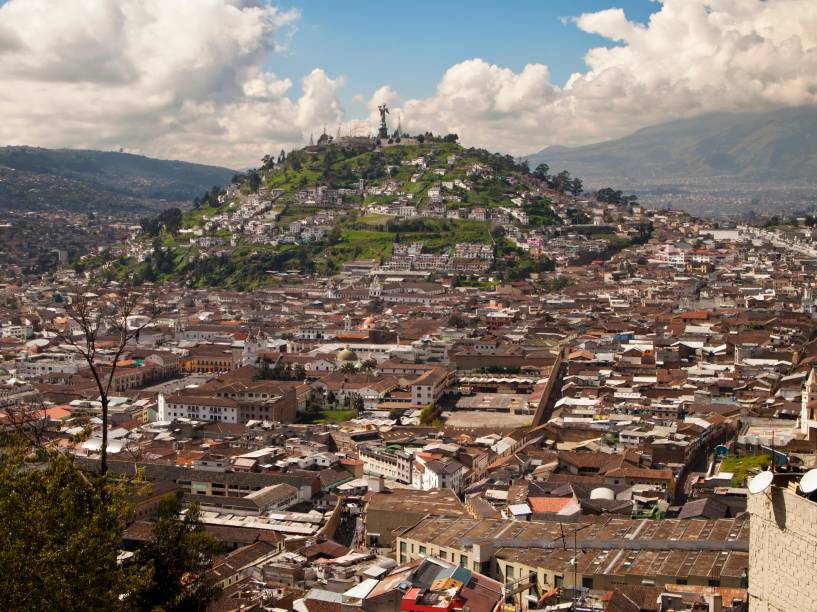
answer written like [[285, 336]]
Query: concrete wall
[[782, 552]]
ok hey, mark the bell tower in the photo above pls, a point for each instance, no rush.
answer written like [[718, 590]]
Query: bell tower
[[375, 288], [809, 402]]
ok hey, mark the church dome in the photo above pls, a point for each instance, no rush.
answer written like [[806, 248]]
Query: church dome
[[347, 355]]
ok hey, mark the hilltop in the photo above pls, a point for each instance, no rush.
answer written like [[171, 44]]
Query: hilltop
[[426, 204], [103, 181], [723, 161]]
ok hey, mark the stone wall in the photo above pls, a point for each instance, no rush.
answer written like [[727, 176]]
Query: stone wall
[[782, 552]]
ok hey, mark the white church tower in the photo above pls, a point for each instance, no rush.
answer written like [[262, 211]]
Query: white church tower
[[809, 405], [254, 346], [807, 301], [375, 288]]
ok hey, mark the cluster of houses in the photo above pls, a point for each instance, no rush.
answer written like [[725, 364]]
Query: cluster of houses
[[389, 438]]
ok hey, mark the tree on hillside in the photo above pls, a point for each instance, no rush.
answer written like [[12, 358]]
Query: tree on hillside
[[562, 181], [170, 220], [576, 187], [295, 161], [177, 556], [614, 196], [541, 172], [254, 179]]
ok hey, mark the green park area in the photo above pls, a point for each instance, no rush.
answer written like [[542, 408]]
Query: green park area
[[741, 466]]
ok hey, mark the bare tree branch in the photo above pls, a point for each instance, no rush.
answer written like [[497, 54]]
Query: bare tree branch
[[88, 312]]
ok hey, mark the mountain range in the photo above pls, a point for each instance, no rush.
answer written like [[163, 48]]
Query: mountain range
[[83, 180], [721, 160]]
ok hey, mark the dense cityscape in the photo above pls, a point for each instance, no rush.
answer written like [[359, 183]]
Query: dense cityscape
[[491, 308], [428, 430]]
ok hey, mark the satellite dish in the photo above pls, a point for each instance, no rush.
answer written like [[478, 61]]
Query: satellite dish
[[808, 483], [761, 482]]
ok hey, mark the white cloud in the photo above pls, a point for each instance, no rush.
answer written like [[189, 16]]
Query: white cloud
[[188, 79], [384, 95], [693, 56], [171, 78]]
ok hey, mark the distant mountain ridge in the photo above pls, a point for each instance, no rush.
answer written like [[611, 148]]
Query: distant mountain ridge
[[720, 163], [33, 178], [775, 145]]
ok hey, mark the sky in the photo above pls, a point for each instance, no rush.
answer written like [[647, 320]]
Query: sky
[[227, 81]]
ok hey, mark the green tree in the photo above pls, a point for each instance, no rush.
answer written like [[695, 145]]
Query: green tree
[[60, 531], [295, 161], [348, 368], [428, 415], [358, 404], [562, 181], [541, 172], [171, 219], [177, 556], [312, 412], [254, 181], [456, 320]]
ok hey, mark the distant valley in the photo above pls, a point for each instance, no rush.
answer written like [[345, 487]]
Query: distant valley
[[100, 181], [719, 164]]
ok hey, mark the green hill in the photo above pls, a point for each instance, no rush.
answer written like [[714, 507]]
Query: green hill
[[82, 180], [211, 245]]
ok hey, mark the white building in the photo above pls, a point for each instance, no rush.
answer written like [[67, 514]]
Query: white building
[[432, 474], [391, 464]]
